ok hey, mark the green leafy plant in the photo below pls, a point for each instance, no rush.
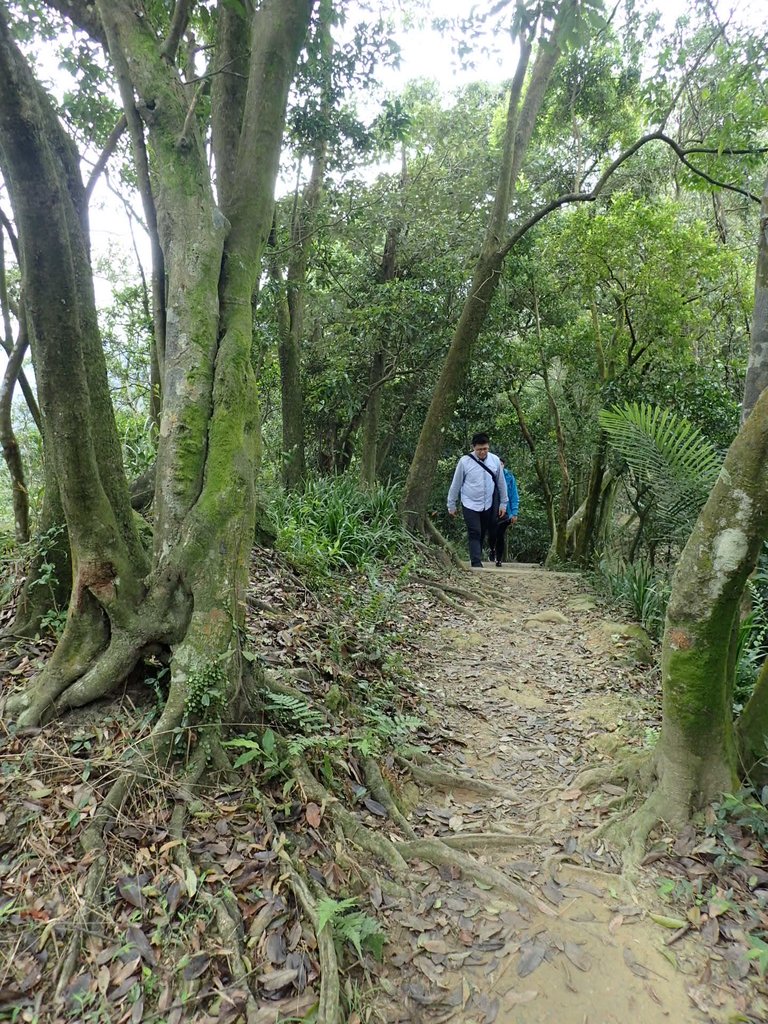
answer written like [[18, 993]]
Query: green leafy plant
[[207, 692], [356, 927], [752, 647], [261, 749], [748, 810], [638, 585], [334, 524], [15, 562], [294, 712], [758, 953], [669, 455]]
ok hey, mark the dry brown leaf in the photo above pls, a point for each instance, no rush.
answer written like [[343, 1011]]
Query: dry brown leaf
[[520, 998], [313, 814], [577, 956]]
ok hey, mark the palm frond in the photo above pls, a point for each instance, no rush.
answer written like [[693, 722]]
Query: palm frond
[[669, 455]]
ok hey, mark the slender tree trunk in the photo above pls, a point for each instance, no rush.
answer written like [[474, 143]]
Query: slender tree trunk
[[757, 368], [372, 421], [291, 309], [9, 444], [521, 119], [557, 551], [541, 473], [369, 457], [584, 535]]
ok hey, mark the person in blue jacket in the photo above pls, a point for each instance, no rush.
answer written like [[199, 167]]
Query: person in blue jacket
[[479, 481], [498, 537]]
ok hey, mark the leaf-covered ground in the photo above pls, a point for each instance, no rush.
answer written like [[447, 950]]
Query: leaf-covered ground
[[519, 689]]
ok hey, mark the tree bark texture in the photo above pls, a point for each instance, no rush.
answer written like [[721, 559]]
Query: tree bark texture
[[192, 597], [9, 444], [696, 755], [292, 304], [757, 367]]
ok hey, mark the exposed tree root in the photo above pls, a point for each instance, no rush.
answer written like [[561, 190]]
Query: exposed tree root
[[486, 842], [354, 830], [549, 868], [630, 835], [434, 851], [328, 1007], [446, 599], [443, 544], [222, 905], [381, 792], [636, 768], [93, 845], [450, 589], [437, 853], [439, 778]]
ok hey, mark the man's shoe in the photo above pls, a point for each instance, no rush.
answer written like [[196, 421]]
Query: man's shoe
[[477, 565], [498, 565]]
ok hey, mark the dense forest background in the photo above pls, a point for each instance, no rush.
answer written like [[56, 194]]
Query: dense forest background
[[329, 288], [644, 295]]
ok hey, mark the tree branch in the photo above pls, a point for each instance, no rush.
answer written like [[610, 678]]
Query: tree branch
[[83, 15], [591, 196], [179, 23], [105, 154]]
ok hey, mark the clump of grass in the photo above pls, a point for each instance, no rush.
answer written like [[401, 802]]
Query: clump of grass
[[336, 525], [638, 586]]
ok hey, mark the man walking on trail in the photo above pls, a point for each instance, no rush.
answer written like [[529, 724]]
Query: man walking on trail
[[480, 482]]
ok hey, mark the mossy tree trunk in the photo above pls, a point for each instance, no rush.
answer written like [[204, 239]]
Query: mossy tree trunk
[[189, 593], [757, 368], [753, 723], [700, 753], [696, 754]]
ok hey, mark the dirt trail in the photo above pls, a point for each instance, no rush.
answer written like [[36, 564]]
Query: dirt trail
[[529, 703]]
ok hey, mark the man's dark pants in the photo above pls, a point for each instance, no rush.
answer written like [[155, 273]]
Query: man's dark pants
[[478, 525]]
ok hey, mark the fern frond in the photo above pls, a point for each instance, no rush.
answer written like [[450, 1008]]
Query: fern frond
[[294, 712], [669, 455]]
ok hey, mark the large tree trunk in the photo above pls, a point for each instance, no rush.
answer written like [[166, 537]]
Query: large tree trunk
[[696, 755], [699, 756], [521, 120], [192, 598], [40, 166]]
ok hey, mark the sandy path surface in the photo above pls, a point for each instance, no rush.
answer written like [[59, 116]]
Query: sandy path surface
[[533, 686]]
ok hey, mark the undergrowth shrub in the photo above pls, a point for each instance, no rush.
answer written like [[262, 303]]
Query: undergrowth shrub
[[753, 633], [15, 561], [334, 524], [642, 589]]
